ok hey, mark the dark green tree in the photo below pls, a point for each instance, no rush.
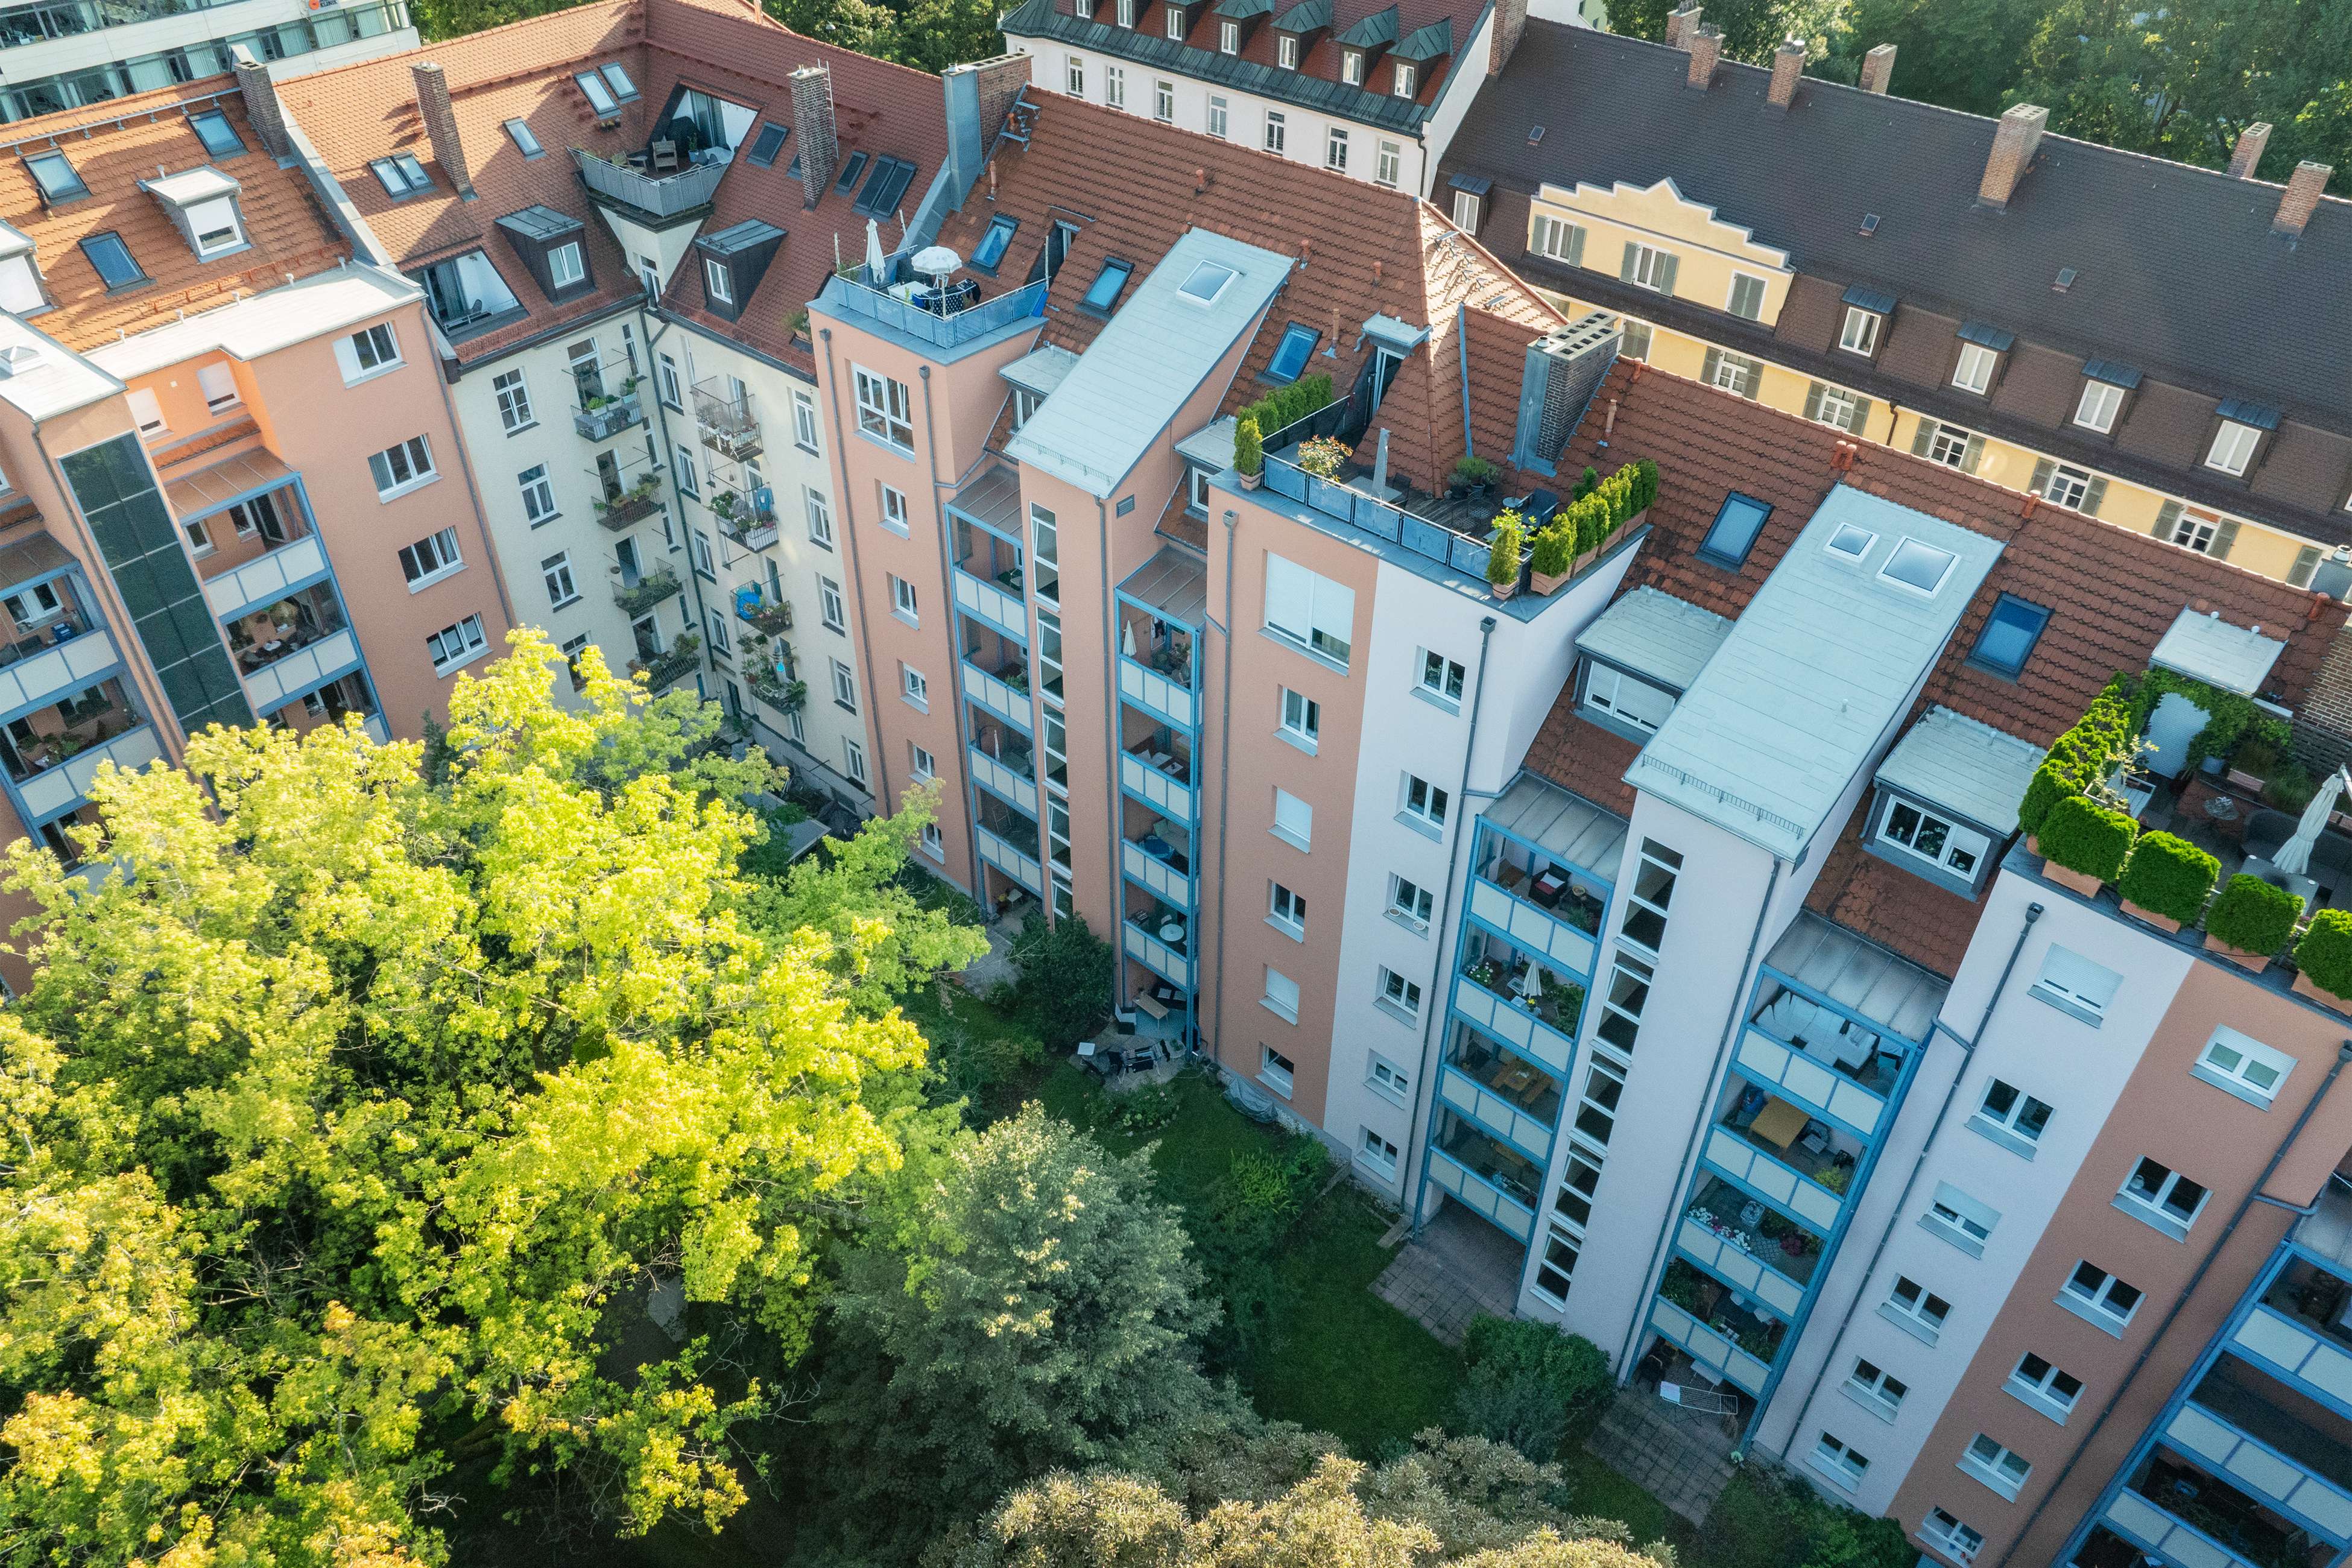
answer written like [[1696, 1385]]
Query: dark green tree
[[1065, 979], [1962, 54]]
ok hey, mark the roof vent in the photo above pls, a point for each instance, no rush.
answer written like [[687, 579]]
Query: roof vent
[[1869, 225], [18, 358]]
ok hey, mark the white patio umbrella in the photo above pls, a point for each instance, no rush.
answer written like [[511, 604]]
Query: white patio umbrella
[[875, 260], [2294, 857]]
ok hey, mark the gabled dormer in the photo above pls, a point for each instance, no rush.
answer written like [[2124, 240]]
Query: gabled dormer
[[1234, 21], [1177, 17], [1420, 57], [21, 291], [1297, 29], [1363, 46], [201, 204], [734, 261]]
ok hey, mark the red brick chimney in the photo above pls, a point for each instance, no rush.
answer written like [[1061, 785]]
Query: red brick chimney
[[261, 107], [1788, 69], [2302, 196], [812, 88], [1679, 23], [441, 124], [1510, 25], [1705, 45], [2251, 143], [2014, 139], [1877, 68]]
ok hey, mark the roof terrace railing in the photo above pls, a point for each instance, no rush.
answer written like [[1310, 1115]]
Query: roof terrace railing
[[850, 292], [667, 196]]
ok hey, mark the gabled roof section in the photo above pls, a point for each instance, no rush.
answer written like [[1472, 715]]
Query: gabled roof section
[[1305, 16], [1433, 42], [1372, 31], [1968, 767]]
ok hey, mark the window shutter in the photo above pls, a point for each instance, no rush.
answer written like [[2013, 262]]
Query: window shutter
[[1751, 377], [1335, 611], [2167, 516], [347, 359], [1575, 245], [1625, 268], [1921, 436], [2042, 470], [2223, 537], [1667, 265], [1290, 597], [2307, 561], [1860, 423], [2095, 492], [1972, 455], [1712, 362], [1814, 400]]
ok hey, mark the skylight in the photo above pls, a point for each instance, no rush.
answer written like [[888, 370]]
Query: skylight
[[618, 80], [1919, 567], [1291, 354], [600, 96], [219, 137], [884, 187], [770, 141], [1733, 533], [1208, 280], [1104, 291], [112, 259], [524, 140], [1851, 544], [401, 174], [992, 247], [56, 178], [849, 173]]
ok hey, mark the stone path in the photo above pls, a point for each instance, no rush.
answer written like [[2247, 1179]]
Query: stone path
[[1443, 1280], [1681, 1458]]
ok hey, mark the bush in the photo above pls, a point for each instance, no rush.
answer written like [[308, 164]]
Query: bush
[[2170, 877], [1555, 548], [1476, 471], [2253, 916], [1250, 1208], [1586, 484], [2084, 836], [2324, 953], [2085, 754], [1285, 405], [1767, 1519], [1249, 449], [1065, 979], [1529, 1384], [1143, 1111], [1503, 552], [2291, 786]]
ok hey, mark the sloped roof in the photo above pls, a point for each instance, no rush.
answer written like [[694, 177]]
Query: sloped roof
[[1656, 635], [127, 139], [1950, 760]]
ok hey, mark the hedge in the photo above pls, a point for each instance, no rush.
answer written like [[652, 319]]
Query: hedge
[[1285, 405], [2085, 837], [2168, 876], [2324, 953], [1555, 548], [2253, 916], [2083, 755]]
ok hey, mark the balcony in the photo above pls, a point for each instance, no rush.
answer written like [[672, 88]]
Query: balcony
[[1743, 1240], [1160, 939], [1776, 1149], [1157, 771], [636, 598], [1515, 985], [750, 520], [1010, 772], [1156, 855], [620, 506], [723, 410], [1008, 841], [605, 417], [1705, 1317], [672, 664], [941, 319], [2186, 1515], [1511, 1099], [1003, 691], [1490, 1178], [659, 199], [751, 607], [52, 752], [287, 646], [61, 653], [2290, 1452]]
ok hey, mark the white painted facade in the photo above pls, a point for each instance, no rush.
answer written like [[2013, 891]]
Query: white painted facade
[[134, 45]]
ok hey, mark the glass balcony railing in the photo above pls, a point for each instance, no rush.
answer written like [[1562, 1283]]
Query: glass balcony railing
[[49, 736], [262, 637]]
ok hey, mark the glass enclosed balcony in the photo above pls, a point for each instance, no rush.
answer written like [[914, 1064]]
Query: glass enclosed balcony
[[47, 737], [2187, 1514], [1739, 1221], [280, 630], [1522, 982]]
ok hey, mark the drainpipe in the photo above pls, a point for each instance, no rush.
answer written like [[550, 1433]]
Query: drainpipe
[[955, 655], [1903, 1203], [669, 444], [1224, 790], [1698, 1124], [857, 580], [2343, 1055], [1110, 750], [1429, 1029]]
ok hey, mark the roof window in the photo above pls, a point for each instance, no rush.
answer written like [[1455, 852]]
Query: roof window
[[770, 141], [219, 137], [993, 244], [600, 96], [1921, 568], [401, 176], [1851, 542], [112, 259], [524, 141], [618, 80], [884, 187], [1733, 535], [1291, 354], [1104, 293], [849, 173], [2008, 635], [1206, 283], [54, 175]]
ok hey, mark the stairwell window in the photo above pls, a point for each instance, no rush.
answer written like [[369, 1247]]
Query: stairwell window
[[1914, 1309], [829, 606], [1875, 1390], [2001, 1468], [1286, 912], [2159, 1196], [2044, 1387], [2232, 451], [1399, 995], [1408, 901], [430, 559], [853, 762], [537, 495], [1842, 1464], [820, 517], [1441, 677], [1650, 896], [915, 686], [514, 401], [1379, 1153], [1387, 1081], [844, 686], [2011, 1118], [886, 408], [1302, 720], [555, 572], [1424, 802], [805, 422], [2099, 1298], [1273, 1069], [402, 468], [1960, 1219]]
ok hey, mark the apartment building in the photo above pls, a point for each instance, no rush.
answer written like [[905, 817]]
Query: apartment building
[[232, 470], [1371, 92], [596, 204], [2144, 343], [58, 55]]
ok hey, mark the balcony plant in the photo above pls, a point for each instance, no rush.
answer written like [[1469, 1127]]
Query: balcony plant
[[1471, 477], [1835, 1177], [2323, 957], [2085, 844], [1503, 556], [1286, 405], [1324, 457], [1249, 450], [2093, 750], [1555, 555], [2251, 920], [2168, 880]]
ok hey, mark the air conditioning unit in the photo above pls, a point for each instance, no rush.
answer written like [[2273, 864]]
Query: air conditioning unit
[[1564, 370]]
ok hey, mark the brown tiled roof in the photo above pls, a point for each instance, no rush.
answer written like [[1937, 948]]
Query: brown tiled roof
[[1134, 188], [112, 148], [1320, 60], [2112, 595]]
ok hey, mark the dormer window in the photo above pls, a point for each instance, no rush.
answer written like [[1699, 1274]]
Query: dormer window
[[201, 202], [1947, 800], [552, 246], [1176, 23], [1351, 67], [54, 175], [734, 261], [1973, 372], [1860, 333], [219, 137], [1127, 13], [218, 384], [2232, 451], [2100, 403], [717, 282], [401, 176], [1404, 88], [1936, 841], [1229, 37], [20, 275], [1624, 702], [465, 291], [1286, 52], [565, 266]]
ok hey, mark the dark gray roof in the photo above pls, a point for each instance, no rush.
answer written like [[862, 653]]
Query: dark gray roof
[[2176, 270], [539, 223]]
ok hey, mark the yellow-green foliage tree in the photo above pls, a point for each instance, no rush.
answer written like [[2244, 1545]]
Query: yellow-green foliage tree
[[342, 1130]]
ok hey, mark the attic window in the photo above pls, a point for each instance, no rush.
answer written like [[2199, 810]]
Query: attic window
[[524, 140], [770, 141], [600, 96], [1351, 67], [1403, 79], [849, 173], [618, 80], [112, 259], [219, 137], [991, 249], [1208, 280], [214, 224], [1850, 543], [1290, 355], [401, 174], [1286, 52], [884, 187], [54, 175], [1104, 291], [20, 284], [1733, 535], [1921, 568]]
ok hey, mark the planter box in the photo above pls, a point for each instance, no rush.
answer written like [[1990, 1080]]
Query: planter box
[[1550, 582], [1504, 590], [2087, 886], [2303, 987], [2161, 922], [2257, 962], [2250, 782]]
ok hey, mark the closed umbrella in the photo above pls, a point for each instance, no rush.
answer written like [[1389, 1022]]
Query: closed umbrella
[[2294, 857], [875, 260]]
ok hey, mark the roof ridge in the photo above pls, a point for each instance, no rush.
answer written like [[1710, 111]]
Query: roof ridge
[[550, 20]]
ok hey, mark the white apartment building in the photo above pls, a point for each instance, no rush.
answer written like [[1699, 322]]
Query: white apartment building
[[69, 53]]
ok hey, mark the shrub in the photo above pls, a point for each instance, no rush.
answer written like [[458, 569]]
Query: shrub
[[2084, 836], [1476, 471], [1645, 484], [1585, 484], [2324, 953], [1529, 1384], [1323, 457], [2169, 876], [1065, 979], [2291, 786], [2253, 916], [1503, 550], [1555, 548], [1142, 1110], [2085, 755], [1249, 449]]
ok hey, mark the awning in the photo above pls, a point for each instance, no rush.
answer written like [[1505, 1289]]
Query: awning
[[34, 556], [202, 494], [1986, 335], [1870, 299], [2115, 373], [2260, 416], [2235, 659]]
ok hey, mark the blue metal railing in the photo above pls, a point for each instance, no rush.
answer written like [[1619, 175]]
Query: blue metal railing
[[853, 297]]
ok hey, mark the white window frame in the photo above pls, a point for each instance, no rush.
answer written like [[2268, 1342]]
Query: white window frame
[[1335, 149], [1425, 803], [378, 343], [2152, 1194], [1973, 371], [1352, 67], [831, 609], [1301, 722], [1948, 1535], [1948, 445], [1912, 1307], [1277, 130], [1220, 116], [430, 559], [923, 767], [1959, 840], [1163, 98], [1229, 37], [1875, 1389], [2232, 451], [820, 515], [2001, 1469], [566, 264], [556, 576], [1388, 163], [853, 762], [1175, 23], [2237, 1064], [1859, 332], [1742, 371], [845, 686], [1115, 78], [804, 428], [1409, 903], [1960, 1219], [1406, 79], [1383, 1078], [1074, 76], [2067, 983], [1286, 52], [1294, 820], [1442, 680], [1843, 1463], [2097, 408], [457, 646], [1326, 633], [415, 455], [915, 686], [2196, 530], [1286, 911], [717, 281], [2008, 1125], [2093, 1300], [1274, 1070], [1394, 993], [1379, 1153], [1650, 265], [513, 392], [886, 409], [1838, 409], [2043, 1391], [903, 603], [2067, 486], [934, 842]]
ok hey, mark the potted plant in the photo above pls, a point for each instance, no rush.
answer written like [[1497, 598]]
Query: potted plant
[[2168, 880], [1835, 1177], [1323, 456], [1249, 450], [1472, 477], [2251, 920], [2323, 957], [1555, 554], [1503, 557], [2084, 844]]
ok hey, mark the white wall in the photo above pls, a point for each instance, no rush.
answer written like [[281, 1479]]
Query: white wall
[[1446, 116], [55, 57]]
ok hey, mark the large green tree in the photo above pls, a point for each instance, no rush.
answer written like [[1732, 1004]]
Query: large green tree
[[1962, 54], [346, 1129]]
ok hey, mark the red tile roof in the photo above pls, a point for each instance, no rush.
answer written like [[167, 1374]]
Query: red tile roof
[[113, 147]]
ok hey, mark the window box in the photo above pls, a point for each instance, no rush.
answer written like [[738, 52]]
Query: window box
[[607, 417]]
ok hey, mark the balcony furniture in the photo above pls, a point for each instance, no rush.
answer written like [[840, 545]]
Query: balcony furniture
[[1166, 994], [1517, 1079], [666, 159], [1149, 1007], [1172, 932], [1815, 1140], [1141, 1060], [961, 295], [1011, 578], [1704, 1401], [1780, 1124], [1547, 888], [1820, 1032]]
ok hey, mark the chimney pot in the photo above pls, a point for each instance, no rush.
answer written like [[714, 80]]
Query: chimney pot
[[261, 107], [2301, 197], [1680, 21], [2014, 139], [1879, 69], [2251, 140], [811, 89], [1705, 45], [1788, 68], [441, 124]]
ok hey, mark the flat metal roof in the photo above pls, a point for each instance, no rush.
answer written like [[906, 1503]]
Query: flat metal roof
[[1173, 582], [212, 489], [1041, 369], [35, 556], [537, 222], [1823, 957], [2210, 648], [1563, 825], [1966, 766], [1655, 636], [1212, 446], [993, 498], [2328, 1229], [1816, 670]]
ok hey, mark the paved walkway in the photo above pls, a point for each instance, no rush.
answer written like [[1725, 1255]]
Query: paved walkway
[[1681, 1458], [1450, 1274]]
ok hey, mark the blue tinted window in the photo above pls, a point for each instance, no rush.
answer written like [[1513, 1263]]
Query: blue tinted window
[[57, 177], [1735, 531], [219, 137], [991, 249], [2008, 635], [1290, 354], [1107, 286], [771, 142], [112, 259]]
